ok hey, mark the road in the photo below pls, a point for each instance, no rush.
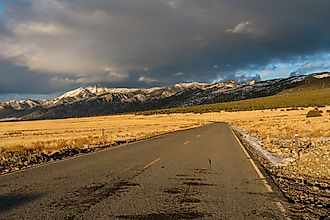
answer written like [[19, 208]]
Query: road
[[200, 173]]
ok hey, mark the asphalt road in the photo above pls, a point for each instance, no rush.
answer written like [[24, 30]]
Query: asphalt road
[[201, 173]]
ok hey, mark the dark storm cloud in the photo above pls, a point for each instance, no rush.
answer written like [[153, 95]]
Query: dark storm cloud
[[67, 43], [18, 79]]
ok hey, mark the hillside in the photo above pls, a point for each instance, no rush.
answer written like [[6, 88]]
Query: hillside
[[97, 100], [313, 93]]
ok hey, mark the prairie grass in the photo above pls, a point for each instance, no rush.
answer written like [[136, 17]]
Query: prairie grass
[[49, 135]]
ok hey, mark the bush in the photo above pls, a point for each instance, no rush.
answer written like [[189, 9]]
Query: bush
[[313, 113]]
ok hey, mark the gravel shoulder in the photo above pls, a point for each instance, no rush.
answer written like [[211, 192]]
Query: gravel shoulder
[[303, 181]]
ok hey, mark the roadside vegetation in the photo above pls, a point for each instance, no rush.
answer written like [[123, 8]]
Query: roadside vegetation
[[54, 135], [314, 113], [276, 128]]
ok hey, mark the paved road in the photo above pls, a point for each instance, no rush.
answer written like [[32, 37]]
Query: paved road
[[201, 173]]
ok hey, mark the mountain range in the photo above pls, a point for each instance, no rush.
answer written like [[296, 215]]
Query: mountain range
[[98, 100]]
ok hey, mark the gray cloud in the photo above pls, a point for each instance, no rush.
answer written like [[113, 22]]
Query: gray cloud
[[52, 45], [18, 79]]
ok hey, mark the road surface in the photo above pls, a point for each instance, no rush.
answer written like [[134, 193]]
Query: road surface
[[200, 173]]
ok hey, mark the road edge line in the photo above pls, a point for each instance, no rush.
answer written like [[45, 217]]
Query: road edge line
[[262, 177], [265, 183]]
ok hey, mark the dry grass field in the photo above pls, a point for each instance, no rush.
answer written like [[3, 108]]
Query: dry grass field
[[50, 135], [276, 129]]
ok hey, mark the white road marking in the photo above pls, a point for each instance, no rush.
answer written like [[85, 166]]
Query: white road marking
[[151, 163], [262, 177], [187, 142], [268, 187], [264, 181], [198, 136], [282, 209]]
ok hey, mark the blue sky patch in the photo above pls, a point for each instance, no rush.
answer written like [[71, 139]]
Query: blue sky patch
[[2, 7]]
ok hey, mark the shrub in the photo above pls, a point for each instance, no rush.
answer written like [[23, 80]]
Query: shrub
[[313, 113]]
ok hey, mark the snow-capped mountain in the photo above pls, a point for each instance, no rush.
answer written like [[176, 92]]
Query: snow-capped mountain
[[18, 108], [98, 100], [22, 104], [321, 75]]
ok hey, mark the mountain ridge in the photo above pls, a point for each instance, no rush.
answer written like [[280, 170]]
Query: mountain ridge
[[98, 100]]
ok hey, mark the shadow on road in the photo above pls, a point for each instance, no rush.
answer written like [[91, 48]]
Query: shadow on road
[[8, 202]]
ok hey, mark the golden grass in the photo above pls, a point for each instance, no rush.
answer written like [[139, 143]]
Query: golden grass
[[281, 124], [312, 158], [267, 125], [49, 135]]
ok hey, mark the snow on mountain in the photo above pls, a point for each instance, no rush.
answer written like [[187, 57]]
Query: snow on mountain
[[321, 75], [93, 92], [190, 85], [125, 94], [21, 104], [98, 100], [298, 79], [122, 90], [81, 93]]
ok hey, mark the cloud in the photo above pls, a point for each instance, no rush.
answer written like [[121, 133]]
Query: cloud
[[173, 3], [60, 44], [243, 27], [20, 80], [145, 79]]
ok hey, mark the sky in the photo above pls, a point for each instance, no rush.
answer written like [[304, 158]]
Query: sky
[[48, 47], [1, 7]]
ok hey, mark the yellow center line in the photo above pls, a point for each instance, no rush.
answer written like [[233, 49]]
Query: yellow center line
[[187, 142], [151, 163]]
